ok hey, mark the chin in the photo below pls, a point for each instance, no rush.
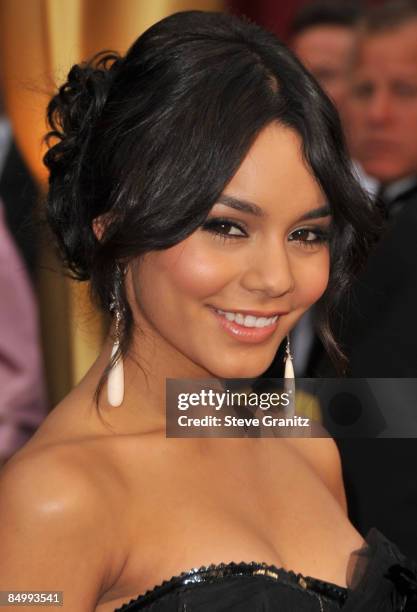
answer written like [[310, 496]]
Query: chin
[[239, 370], [384, 172]]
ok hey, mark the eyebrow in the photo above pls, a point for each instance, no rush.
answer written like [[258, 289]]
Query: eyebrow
[[254, 209], [317, 213], [242, 205]]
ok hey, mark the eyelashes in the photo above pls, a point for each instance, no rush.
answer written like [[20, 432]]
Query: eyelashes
[[229, 229], [319, 234], [225, 228]]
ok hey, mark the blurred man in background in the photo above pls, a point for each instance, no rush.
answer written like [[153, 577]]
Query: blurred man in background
[[323, 36], [382, 110], [382, 338]]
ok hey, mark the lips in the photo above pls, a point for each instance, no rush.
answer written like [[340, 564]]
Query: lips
[[378, 145], [247, 326], [255, 313]]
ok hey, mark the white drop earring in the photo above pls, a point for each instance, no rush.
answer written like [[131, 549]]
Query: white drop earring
[[289, 368], [115, 380], [289, 379]]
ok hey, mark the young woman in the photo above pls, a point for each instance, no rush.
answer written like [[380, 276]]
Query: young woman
[[201, 184]]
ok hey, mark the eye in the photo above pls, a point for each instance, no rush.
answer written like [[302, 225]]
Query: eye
[[405, 90], [363, 90], [224, 228], [310, 237]]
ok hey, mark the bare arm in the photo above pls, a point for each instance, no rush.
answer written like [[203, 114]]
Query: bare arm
[[53, 531]]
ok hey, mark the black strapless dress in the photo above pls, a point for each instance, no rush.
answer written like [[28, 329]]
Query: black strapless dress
[[379, 578]]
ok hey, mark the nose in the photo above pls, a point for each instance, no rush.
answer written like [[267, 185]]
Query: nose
[[379, 107], [268, 271]]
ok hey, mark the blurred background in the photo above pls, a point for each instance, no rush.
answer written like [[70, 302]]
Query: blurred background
[[49, 331]]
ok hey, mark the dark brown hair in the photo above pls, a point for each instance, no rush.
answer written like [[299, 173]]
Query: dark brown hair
[[325, 13], [388, 16], [152, 139]]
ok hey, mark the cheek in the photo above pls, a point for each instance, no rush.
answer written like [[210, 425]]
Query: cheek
[[409, 140], [312, 279], [192, 268], [356, 118]]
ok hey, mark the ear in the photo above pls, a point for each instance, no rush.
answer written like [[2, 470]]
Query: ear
[[99, 224]]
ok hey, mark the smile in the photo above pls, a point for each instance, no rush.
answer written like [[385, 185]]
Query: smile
[[247, 320], [248, 328]]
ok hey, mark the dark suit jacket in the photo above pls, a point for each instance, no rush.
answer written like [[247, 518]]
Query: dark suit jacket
[[380, 339], [381, 334], [19, 194]]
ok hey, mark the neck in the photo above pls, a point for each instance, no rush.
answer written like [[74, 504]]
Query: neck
[[147, 366]]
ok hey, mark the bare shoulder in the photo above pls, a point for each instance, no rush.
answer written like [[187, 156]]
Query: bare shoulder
[[49, 470], [323, 456], [68, 465], [52, 505]]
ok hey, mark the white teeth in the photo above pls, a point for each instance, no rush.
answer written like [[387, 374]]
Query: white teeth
[[248, 320]]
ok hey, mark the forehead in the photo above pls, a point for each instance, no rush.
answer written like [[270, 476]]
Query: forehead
[[323, 41], [274, 171], [389, 53]]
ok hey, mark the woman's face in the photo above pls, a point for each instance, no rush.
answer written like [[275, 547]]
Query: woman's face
[[225, 297]]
